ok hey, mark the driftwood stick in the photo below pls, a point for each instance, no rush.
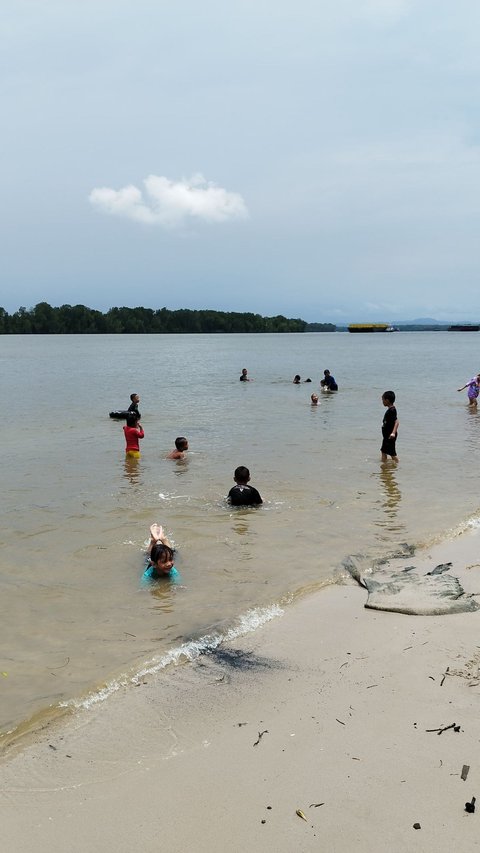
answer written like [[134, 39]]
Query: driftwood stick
[[442, 729]]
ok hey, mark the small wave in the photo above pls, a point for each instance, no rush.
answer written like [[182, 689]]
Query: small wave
[[188, 651], [472, 522]]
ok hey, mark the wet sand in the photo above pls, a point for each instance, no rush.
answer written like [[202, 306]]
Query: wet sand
[[325, 710]]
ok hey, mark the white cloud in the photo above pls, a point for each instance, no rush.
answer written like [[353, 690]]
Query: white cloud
[[171, 203]]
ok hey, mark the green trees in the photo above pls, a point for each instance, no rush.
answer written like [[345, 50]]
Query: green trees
[[43, 319]]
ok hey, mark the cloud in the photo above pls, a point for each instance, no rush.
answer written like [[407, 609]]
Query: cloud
[[171, 203]]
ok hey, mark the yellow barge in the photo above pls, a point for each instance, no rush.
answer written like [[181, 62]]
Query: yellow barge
[[369, 327]]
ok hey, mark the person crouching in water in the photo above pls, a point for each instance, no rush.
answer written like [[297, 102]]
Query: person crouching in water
[[133, 432], [160, 554], [328, 382], [181, 445], [242, 494]]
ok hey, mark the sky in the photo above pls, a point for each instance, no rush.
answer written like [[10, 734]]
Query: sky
[[314, 159]]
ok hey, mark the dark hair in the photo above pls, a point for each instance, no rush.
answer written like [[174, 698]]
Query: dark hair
[[132, 396], [326, 371], [242, 474], [296, 378], [389, 395], [132, 419], [181, 443], [160, 553]]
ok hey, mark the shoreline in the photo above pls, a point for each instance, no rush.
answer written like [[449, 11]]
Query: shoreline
[[329, 704]]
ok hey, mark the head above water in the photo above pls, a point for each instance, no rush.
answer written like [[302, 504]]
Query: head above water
[[388, 397], [314, 399], [161, 557], [296, 379], [181, 443], [241, 475], [132, 419]]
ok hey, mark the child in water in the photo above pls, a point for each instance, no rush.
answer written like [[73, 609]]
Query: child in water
[[314, 399], [181, 445], [473, 389], [160, 555], [242, 494], [390, 425], [133, 432]]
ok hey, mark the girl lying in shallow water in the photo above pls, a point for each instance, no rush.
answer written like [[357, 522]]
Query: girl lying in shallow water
[[160, 554]]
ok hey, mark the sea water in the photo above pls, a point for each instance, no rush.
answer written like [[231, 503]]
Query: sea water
[[77, 619]]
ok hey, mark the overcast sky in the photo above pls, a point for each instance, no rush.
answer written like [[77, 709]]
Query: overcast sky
[[314, 159]]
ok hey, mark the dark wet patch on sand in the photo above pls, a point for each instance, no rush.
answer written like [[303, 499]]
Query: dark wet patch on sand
[[240, 660]]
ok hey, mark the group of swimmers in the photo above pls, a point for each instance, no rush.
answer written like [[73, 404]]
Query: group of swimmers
[[161, 553], [133, 432]]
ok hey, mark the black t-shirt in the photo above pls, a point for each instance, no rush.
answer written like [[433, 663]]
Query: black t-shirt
[[244, 496], [389, 419]]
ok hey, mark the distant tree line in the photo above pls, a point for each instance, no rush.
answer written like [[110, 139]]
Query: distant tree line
[[321, 327], [43, 319]]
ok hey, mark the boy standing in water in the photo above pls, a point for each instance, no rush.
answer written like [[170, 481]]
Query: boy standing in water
[[133, 432], [389, 427], [242, 494], [133, 407]]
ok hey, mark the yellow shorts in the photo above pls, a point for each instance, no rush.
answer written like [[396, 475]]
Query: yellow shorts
[[133, 454]]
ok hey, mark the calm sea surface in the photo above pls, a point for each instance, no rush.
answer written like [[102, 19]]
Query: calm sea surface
[[75, 613]]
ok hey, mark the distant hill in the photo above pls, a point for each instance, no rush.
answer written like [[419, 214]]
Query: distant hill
[[426, 321]]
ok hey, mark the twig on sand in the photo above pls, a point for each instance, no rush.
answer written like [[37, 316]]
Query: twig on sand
[[464, 773], [260, 735], [340, 721], [445, 729], [444, 675]]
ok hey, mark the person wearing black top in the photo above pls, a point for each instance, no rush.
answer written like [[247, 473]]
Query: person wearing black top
[[133, 407], [242, 494], [328, 383], [390, 425]]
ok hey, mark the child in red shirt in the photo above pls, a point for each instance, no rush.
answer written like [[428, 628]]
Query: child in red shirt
[[133, 432]]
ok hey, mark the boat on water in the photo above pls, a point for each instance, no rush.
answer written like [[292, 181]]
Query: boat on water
[[371, 327], [468, 327]]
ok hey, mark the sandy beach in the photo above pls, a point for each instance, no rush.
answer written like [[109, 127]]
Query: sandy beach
[[327, 710]]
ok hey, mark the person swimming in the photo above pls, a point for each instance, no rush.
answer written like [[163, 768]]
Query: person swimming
[[160, 555]]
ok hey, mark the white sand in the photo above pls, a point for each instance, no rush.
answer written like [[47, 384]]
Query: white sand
[[345, 696]]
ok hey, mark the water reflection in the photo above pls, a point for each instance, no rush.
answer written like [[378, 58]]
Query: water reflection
[[390, 499], [241, 524], [163, 591], [473, 429], [132, 470], [181, 466]]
